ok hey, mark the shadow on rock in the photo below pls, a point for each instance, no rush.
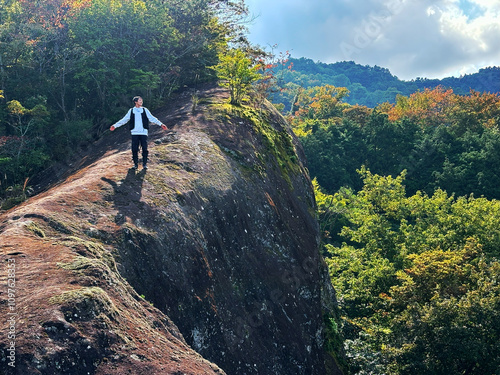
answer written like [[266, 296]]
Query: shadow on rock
[[127, 196]]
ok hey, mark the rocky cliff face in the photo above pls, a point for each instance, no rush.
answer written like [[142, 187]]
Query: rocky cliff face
[[206, 263]]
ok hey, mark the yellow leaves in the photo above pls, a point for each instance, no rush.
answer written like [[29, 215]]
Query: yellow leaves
[[139, 6], [437, 274], [76, 5], [15, 108], [115, 4], [384, 193], [490, 123], [358, 114]]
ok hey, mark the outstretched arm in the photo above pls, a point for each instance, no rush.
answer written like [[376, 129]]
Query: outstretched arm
[[123, 121], [154, 120]]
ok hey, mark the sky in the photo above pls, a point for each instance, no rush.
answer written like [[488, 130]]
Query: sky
[[411, 38]]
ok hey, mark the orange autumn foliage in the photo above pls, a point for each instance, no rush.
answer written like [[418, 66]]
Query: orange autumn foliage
[[437, 106], [52, 13], [429, 105]]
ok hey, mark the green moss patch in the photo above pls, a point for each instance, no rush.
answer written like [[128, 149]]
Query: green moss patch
[[93, 248], [277, 142], [35, 228], [85, 304]]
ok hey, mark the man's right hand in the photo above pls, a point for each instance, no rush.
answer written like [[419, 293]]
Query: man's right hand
[[112, 128]]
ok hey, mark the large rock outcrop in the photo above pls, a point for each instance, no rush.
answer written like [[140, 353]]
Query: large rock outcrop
[[206, 263]]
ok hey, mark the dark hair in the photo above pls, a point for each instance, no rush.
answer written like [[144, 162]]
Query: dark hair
[[136, 99]]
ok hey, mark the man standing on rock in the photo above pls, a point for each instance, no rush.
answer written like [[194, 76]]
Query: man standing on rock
[[139, 118]]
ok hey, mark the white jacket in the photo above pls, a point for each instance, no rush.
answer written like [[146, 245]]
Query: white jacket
[[138, 128]]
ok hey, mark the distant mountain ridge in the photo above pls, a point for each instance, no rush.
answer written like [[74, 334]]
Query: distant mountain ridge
[[372, 85]]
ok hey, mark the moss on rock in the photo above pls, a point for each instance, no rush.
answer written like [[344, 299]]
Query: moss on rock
[[85, 303]]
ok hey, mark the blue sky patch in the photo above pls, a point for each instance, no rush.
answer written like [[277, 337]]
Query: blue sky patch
[[470, 9]]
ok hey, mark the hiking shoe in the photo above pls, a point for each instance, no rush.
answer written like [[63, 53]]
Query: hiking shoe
[[135, 166], [144, 166]]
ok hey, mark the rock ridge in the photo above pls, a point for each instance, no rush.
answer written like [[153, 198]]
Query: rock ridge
[[206, 263]]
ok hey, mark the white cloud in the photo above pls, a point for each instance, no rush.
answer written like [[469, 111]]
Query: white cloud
[[413, 38]]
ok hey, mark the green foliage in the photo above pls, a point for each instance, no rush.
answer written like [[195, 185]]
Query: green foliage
[[418, 275], [455, 298], [415, 267], [13, 195], [331, 210], [340, 145], [127, 45], [23, 119], [333, 343], [22, 154], [237, 72], [147, 81]]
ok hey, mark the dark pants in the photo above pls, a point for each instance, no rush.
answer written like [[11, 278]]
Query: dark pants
[[143, 141]]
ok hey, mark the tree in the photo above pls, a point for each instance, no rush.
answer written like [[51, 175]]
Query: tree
[[147, 81], [446, 313], [23, 120], [429, 107], [321, 102], [237, 72], [23, 154], [334, 151]]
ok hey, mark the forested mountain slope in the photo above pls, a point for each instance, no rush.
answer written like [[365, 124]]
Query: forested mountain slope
[[441, 139]]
